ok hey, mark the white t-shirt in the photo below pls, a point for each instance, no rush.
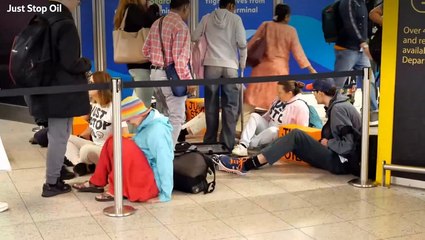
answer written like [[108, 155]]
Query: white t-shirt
[[101, 123]]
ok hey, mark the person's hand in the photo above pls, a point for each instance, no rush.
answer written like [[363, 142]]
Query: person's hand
[[324, 142], [191, 90], [366, 51], [311, 69]]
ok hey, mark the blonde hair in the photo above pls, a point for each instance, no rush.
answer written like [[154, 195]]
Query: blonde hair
[[122, 6], [105, 95]]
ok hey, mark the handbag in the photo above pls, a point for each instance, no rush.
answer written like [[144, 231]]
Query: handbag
[[198, 53], [128, 46], [257, 50], [170, 70]]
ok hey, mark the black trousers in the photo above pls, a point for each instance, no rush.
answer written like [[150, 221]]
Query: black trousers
[[306, 148]]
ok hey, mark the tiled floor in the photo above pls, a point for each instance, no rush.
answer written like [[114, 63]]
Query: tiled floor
[[287, 201]]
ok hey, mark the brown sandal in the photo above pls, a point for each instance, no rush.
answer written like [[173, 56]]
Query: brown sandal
[[87, 187], [104, 197]]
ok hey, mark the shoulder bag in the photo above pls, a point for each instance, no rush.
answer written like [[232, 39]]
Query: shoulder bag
[[170, 70], [128, 46], [257, 50]]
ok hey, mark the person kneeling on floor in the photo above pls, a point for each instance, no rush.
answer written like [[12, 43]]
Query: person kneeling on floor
[[338, 151], [153, 137]]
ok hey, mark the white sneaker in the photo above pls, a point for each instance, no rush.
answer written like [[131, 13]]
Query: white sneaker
[[240, 151], [3, 206]]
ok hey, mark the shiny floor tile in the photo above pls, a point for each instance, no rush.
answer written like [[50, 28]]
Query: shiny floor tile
[[49, 212], [155, 233], [253, 188], [399, 203], [257, 223], [338, 231], [417, 217], [232, 208], [329, 195], [71, 228], [281, 235], [354, 210], [281, 201], [388, 226], [306, 217], [212, 229], [21, 231], [181, 214]]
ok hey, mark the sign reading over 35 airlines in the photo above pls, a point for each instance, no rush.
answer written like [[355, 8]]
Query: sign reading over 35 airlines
[[409, 112]]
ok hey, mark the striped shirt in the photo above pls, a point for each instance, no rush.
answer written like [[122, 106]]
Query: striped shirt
[[176, 40]]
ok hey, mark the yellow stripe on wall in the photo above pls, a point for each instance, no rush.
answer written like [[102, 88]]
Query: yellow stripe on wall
[[387, 82]]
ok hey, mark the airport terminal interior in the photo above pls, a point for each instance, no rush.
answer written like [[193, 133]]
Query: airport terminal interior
[[287, 201]]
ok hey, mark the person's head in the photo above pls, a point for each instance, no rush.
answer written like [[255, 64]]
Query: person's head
[[154, 11], [122, 6], [282, 13], [288, 89], [102, 97], [181, 7], [70, 4], [323, 89], [228, 4], [133, 111]]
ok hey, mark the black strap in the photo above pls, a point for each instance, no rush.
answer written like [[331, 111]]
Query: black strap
[[210, 171], [160, 39]]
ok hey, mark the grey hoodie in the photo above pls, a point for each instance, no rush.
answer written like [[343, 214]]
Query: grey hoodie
[[225, 35], [342, 114]]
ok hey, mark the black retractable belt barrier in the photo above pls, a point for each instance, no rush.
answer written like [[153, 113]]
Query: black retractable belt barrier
[[165, 83]]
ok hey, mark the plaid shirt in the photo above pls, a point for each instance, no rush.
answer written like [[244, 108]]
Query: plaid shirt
[[176, 40]]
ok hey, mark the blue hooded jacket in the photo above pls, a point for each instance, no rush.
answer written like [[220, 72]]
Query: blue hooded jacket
[[154, 137]]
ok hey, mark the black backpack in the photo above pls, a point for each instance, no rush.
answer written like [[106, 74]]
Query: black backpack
[[32, 55], [331, 22], [191, 170]]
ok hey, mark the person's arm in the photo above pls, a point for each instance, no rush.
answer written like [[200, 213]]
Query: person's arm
[[86, 133], [376, 15], [68, 46], [161, 149], [241, 42], [345, 142], [181, 53], [148, 42], [199, 31], [298, 53]]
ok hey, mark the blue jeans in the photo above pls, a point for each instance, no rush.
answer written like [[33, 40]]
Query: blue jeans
[[229, 106], [348, 60]]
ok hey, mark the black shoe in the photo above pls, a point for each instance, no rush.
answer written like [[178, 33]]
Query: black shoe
[[66, 174], [50, 190], [82, 169], [92, 168], [182, 135], [67, 162]]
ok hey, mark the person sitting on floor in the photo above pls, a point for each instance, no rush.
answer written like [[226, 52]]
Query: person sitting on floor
[[262, 130], [153, 137], [84, 149], [338, 151]]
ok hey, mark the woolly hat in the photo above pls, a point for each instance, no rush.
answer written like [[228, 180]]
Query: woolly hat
[[132, 107]]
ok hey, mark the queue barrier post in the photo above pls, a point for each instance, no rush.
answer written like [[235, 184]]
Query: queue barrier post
[[364, 181], [118, 210]]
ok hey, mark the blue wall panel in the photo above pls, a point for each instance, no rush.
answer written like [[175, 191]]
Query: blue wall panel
[[306, 18]]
